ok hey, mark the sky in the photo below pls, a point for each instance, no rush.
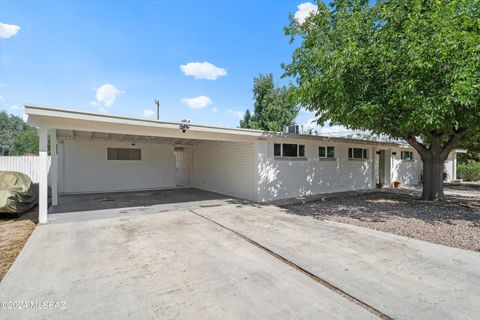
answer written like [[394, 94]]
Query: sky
[[198, 58]]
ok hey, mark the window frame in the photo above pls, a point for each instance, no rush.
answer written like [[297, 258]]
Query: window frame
[[402, 153], [139, 150], [325, 150], [300, 149], [351, 153]]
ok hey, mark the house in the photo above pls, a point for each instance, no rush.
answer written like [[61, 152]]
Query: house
[[93, 153]]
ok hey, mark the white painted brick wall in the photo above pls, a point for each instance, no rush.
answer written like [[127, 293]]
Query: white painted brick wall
[[225, 167], [281, 178]]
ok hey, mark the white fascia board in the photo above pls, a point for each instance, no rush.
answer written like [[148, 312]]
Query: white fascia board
[[85, 121], [89, 121]]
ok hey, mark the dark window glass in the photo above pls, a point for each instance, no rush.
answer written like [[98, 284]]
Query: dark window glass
[[289, 150], [321, 152], [276, 150], [123, 154], [330, 152], [301, 150], [407, 155], [357, 153]]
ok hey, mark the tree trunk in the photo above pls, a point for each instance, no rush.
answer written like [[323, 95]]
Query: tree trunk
[[432, 177], [433, 159]]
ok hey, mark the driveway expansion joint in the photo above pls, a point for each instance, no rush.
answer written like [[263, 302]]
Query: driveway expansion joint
[[316, 278]]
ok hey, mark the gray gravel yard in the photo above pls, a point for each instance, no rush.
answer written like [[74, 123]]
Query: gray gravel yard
[[454, 222]]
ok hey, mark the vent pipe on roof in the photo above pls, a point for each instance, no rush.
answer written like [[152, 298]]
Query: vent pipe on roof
[[157, 102]]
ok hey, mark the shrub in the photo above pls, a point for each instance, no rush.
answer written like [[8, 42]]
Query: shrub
[[469, 171]]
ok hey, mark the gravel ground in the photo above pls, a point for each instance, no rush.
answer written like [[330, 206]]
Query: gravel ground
[[14, 233], [454, 222]]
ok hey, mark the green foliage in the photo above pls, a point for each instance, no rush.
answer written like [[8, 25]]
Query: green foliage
[[469, 171], [405, 68], [274, 108], [471, 143], [25, 142], [9, 126]]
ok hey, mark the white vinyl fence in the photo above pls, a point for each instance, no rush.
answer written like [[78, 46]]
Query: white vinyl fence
[[27, 165]]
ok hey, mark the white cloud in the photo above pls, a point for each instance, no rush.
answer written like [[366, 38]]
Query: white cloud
[[3, 84], [8, 30], [203, 70], [102, 109], [148, 113], [15, 107], [106, 95], [197, 102], [304, 10], [1, 98], [237, 114], [215, 109]]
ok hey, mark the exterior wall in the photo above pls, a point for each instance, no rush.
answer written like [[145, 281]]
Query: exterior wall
[[286, 178], [408, 172], [86, 168], [225, 167], [450, 167], [279, 178]]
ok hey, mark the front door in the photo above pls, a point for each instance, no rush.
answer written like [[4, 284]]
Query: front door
[[183, 170], [381, 167]]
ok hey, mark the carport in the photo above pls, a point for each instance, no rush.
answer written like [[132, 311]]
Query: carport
[[99, 153], [94, 206]]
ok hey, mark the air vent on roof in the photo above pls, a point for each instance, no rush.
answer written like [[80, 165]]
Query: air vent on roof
[[293, 129]]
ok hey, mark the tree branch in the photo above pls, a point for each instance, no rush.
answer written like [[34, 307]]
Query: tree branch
[[420, 147], [453, 141]]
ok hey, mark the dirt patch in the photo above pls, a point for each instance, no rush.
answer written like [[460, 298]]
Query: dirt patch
[[14, 233], [454, 222]]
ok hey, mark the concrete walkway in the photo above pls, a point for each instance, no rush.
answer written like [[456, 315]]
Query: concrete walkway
[[181, 264]]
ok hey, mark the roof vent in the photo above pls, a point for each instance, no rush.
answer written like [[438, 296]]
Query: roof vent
[[293, 129]]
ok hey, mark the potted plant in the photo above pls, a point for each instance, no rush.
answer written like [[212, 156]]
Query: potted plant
[[396, 184], [379, 185]]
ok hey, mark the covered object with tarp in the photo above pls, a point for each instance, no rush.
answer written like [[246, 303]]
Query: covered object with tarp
[[17, 192]]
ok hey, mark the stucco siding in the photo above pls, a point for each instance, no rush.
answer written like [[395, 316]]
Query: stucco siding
[[86, 168], [225, 167], [285, 178]]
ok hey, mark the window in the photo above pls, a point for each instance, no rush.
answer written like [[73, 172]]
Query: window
[[357, 153], [289, 150], [326, 152], [277, 149], [407, 155], [301, 150], [123, 154]]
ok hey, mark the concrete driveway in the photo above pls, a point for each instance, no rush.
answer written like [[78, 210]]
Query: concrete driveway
[[223, 259]]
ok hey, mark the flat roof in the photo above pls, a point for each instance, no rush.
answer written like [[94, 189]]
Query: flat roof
[[59, 113]]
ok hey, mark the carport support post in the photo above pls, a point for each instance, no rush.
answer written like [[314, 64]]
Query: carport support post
[[43, 175], [54, 166]]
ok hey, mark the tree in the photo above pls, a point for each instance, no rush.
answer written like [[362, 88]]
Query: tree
[[274, 108], [25, 142], [409, 69], [471, 143], [9, 126]]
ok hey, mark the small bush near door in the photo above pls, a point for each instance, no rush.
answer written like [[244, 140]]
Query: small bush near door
[[469, 171]]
